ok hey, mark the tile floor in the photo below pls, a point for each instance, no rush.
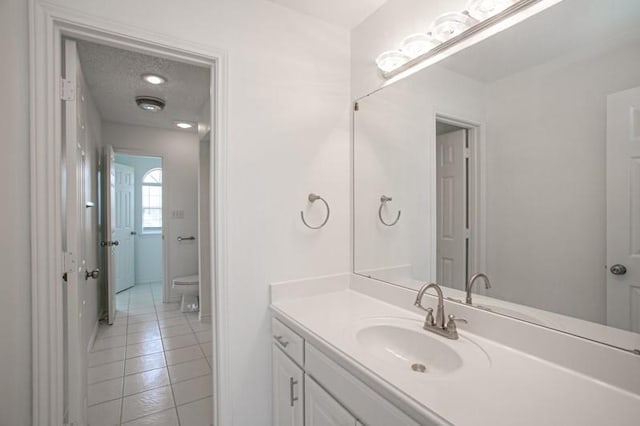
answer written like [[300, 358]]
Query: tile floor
[[152, 366]]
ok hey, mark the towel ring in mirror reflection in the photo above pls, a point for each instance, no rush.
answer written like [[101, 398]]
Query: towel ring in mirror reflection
[[384, 200], [313, 198]]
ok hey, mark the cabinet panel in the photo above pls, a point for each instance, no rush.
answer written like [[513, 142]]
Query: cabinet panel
[[321, 409], [288, 340], [288, 390]]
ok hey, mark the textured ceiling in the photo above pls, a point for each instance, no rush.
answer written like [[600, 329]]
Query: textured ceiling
[[343, 13], [113, 77]]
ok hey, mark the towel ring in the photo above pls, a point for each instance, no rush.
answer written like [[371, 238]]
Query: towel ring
[[312, 198], [383, 200]]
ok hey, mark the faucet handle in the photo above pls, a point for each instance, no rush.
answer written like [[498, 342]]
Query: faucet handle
[[429, 320], [451, 324]]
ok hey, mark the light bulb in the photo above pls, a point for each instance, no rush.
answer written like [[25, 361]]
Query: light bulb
[[418, 44], [153, 79], [449, 25], [390, 60], [483, 9]]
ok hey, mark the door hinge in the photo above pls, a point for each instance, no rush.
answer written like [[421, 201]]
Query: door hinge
[[356, 106], [467, 153], [467, 233], [67, 90]]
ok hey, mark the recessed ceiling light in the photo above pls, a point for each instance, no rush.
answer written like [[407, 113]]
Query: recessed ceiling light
[[154, 78], [184, 125], [150, 103]]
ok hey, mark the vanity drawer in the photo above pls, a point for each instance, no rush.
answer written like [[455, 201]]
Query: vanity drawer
[[288, 340]]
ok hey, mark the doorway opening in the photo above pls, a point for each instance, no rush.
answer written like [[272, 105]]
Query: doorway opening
[[138, 225], [458, 212], [136, 137]]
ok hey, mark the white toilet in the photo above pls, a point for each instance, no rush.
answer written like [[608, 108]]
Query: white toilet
[[188, 286]]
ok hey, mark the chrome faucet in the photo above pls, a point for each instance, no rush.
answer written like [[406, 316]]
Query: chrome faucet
[[472, 281], [437, 325]]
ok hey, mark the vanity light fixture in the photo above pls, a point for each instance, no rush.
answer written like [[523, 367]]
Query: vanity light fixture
[[422, 49], [183, 125], [449, 25], [392, 59], [153, 78], [150, 103], [483, 9], [418, 44]]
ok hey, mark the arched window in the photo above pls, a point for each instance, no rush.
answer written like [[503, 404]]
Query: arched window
[[152, 201]]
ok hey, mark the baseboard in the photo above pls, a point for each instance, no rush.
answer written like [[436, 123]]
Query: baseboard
[[94, 334]]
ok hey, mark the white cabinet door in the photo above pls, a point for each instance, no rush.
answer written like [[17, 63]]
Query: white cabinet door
[[287, 390], [321, 409]]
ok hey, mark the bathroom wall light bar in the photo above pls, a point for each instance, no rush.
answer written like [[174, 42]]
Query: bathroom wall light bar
[[451, 29]]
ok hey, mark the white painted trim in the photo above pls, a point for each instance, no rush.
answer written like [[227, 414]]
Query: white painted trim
[[94, 334], [47, 24]]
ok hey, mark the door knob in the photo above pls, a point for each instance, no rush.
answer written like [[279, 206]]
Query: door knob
[[93, 274], [115, 243], [618, 269]]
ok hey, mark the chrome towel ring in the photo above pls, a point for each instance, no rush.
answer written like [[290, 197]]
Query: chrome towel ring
[[312, 198], [384, 200]]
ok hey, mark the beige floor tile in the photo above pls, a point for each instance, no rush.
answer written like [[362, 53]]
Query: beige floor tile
[[189, 370], [164, 418], [144, 363], [178, 356], [105, 372], [197, 413], [145, 403], [106, 414], [144, 348], [104, 391], [146, 380], [192, 390]]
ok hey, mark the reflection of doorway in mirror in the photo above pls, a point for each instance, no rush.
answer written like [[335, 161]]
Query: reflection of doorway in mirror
[[454, 204], [623, 210]]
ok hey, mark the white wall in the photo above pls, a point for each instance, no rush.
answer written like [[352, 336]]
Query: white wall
[[148, 247], [179, 152], [546, 199], [15, 301]]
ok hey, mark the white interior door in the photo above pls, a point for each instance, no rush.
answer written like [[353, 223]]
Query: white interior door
[[451, 209], [123, 227], [74, 253], [108, 195], [623, 210]]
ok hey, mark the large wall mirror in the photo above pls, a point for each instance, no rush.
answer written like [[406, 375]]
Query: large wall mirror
[[518, 157]]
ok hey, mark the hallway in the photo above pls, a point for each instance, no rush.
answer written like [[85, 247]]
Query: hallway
[[152, 366]]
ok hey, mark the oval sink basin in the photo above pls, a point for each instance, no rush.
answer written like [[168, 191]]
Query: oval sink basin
[[403, 344]]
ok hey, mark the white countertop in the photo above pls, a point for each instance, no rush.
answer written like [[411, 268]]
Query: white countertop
[[515, 389]]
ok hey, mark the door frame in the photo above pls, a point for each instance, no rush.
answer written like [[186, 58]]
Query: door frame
[[47, 25], [477, 258], [165, 214]]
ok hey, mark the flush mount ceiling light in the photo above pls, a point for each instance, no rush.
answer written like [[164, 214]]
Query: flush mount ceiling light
[[449, 25], [153, 78], [418, 44], [392, 59], [483, 9], [184, 124], [150, 103]]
